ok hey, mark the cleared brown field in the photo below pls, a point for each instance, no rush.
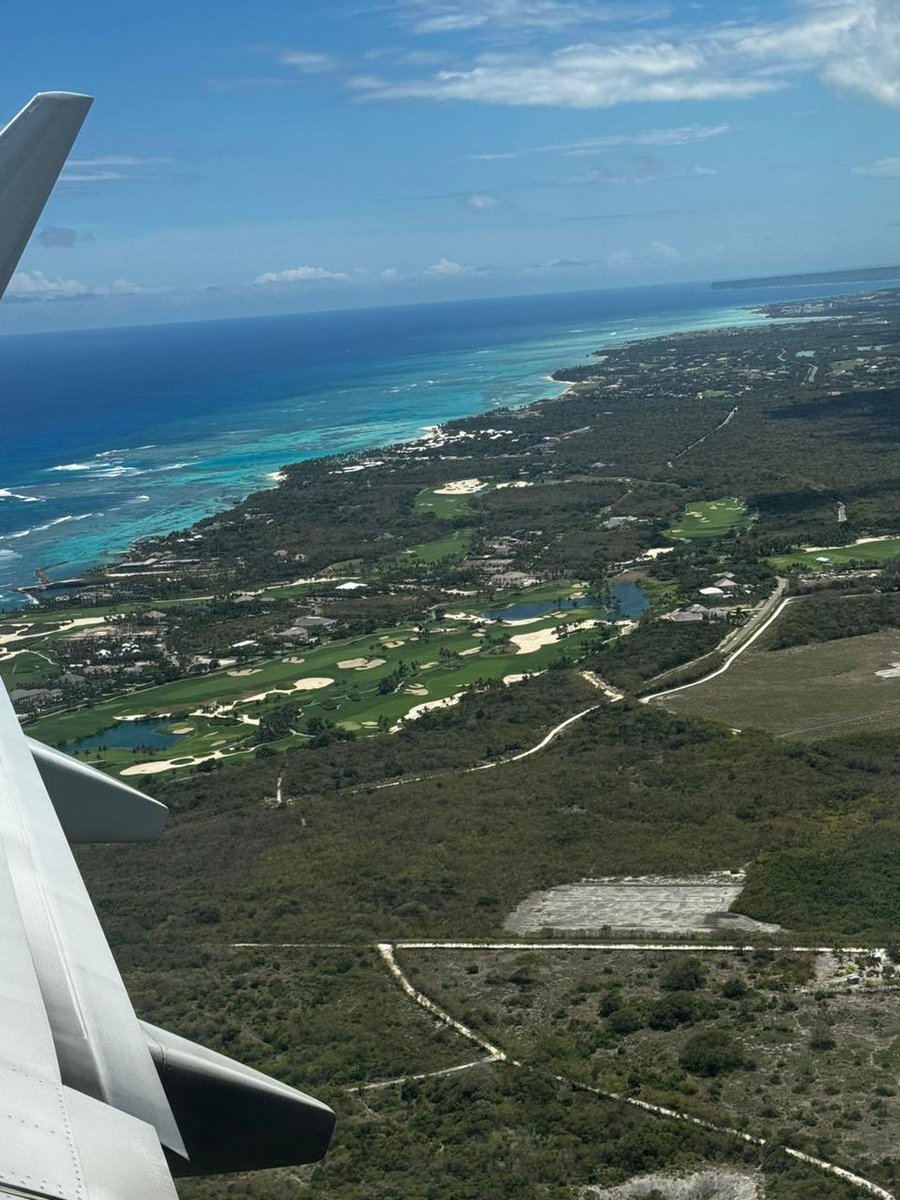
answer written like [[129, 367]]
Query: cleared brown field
[[813, 691]]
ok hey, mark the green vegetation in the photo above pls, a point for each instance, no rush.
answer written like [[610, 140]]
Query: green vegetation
[[755, 1046], [832, 617], [711, 519], [327, 828], [384, 675], [444, 507], [454, 545], [628, 790], [855, 554], [652, 649]]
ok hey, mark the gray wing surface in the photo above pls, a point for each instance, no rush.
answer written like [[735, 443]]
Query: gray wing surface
[[93, 1104], [76, 1073], [33, 148]]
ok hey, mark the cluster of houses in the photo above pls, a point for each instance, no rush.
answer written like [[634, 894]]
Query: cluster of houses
[[723, 588], [496, 565]]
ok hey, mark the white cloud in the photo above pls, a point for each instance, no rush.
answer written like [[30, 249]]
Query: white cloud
[[492, 16], [582, 76], [884, 168], [665, 253], [308, 63], [35, 285], [119, 287], [850, 44], [480, 202], [445, 266], [301, 275], [117, 160], [108, 167], [680, 136]]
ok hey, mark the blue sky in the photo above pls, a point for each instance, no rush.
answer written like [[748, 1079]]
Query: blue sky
[[296, 154]]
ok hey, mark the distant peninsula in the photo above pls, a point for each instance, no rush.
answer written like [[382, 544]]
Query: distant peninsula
[[849, 275]]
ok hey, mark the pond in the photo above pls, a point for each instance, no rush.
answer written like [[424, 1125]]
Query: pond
[[630, 601], [128, 735]]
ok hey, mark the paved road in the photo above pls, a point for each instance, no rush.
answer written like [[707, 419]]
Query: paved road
[[758, 626]]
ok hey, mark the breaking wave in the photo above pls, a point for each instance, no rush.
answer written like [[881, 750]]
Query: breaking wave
[[21, 533], [8, 494]]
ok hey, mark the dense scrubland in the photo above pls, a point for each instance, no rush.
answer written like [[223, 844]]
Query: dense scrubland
[[394, 836]]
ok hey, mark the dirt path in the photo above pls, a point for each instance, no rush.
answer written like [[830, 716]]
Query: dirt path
[[496, 1054], [688, 449]]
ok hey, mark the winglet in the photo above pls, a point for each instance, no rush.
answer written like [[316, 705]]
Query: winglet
[[33, 148], [93, 807]]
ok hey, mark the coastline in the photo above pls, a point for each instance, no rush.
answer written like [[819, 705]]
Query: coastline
[[432, 434], [107, 551]]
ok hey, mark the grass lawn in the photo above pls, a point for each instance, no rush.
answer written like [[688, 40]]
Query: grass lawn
[[454, 545], [839, 556], [710, 518], [351, 697], [443, 507], [813, 691]]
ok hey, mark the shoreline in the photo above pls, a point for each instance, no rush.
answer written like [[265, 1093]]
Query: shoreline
[[432, 433]]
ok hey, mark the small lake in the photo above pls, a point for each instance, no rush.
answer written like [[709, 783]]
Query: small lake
[[630, 598], [128, 735], [630, 601]]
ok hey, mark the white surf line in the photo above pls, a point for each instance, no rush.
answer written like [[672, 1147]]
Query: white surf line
[[386, 950], [380, 1084], [735, 654]]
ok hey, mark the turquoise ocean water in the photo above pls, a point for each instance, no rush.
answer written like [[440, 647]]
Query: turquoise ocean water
[[108, 436]]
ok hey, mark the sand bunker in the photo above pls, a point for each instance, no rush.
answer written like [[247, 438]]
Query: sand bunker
[[247, 671], [527, 643], [651, 904], [301, 685], [418, 709], [462, 487], [182, 729], [360, 664], [393, 645], [172, 764], [416, 690], [473, 650], [891, 672]]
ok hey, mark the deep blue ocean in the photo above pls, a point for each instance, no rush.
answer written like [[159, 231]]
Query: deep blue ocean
[[107, 436]]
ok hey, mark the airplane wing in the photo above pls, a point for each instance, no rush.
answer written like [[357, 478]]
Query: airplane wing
[[33, 148], [94, 1104]]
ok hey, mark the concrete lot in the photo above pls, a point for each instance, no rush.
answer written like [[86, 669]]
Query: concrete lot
[[657, 905]]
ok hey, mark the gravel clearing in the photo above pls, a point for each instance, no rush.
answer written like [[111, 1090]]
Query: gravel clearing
[[648, 904]]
